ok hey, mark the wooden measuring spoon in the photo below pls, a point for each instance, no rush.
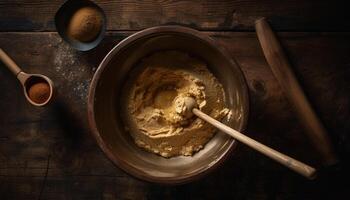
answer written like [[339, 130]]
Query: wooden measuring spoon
[[28, 80], [189, 107]]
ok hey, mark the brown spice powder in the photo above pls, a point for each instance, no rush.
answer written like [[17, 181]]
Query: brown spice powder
[[39, 92]]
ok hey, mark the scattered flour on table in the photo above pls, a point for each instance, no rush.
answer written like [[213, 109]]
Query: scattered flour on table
[[65, 59], [74, 70], [81, 89]]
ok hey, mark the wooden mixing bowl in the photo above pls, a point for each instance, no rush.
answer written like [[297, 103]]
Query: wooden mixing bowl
[[106, 90]]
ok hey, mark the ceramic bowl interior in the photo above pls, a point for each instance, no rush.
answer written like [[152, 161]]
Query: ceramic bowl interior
[[63, 16], [105, 94]]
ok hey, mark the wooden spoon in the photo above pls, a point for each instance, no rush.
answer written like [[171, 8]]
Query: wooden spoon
[[291, 163], [27, 80]]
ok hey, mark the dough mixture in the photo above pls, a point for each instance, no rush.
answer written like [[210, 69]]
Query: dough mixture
[[155, 104]]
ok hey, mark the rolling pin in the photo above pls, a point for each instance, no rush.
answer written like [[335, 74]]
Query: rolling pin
[[283, 72]]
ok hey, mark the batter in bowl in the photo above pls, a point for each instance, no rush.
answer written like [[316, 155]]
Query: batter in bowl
[[155, 111]]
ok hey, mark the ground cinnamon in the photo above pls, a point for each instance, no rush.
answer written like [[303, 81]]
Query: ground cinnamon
[[39, 92], [85, 24]]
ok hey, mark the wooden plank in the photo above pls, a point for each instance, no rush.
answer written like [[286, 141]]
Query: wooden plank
[[292, 15], [71, 188], [54, 142]]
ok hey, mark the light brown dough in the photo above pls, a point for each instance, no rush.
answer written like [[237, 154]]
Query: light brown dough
[[159, 127]]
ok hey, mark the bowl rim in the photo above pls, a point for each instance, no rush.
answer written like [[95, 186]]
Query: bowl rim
[[119, 162]]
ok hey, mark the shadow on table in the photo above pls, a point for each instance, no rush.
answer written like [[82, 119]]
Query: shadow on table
[[73, 146]]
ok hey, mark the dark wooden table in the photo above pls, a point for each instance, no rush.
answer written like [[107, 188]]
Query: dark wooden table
[[48, 153]]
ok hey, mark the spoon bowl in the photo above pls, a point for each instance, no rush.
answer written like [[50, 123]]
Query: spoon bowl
[[28, 80]]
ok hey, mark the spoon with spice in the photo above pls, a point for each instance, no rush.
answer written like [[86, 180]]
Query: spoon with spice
[[38, 89], [188, 107]]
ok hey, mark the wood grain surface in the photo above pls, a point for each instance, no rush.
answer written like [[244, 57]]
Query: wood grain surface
[[47, 153], [289, 15]]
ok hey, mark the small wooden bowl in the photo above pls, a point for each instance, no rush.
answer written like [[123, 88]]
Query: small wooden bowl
[[104, 107], [63, 16]]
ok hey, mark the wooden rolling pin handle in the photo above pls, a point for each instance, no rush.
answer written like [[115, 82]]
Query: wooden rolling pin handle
[[10, 64], [285, 160], [282, 70]]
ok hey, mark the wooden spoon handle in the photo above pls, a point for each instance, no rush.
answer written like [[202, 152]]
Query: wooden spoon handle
[[11, 65], [282, 70], [285, 160]]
